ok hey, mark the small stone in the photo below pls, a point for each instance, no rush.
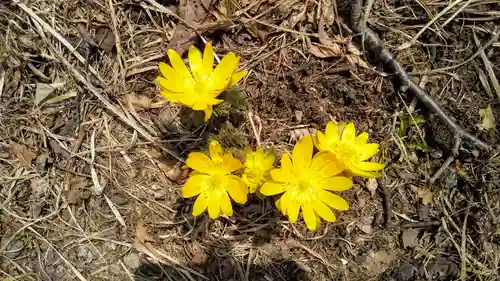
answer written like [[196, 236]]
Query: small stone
[[410, 238], [404, 272], [132, 260]]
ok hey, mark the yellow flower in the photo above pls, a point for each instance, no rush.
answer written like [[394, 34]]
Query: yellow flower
[[257, 167], [350, 149], [200, 87], [306, 184], [212, 180]]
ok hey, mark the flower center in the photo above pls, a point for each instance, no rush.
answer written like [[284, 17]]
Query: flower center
[[214, 188], [346, 153], [303, 192]]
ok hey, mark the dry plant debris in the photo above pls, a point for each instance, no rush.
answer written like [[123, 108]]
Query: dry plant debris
[[77, 107]]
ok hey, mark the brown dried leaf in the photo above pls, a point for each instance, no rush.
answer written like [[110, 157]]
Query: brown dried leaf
[[322, 51], [426, 196], [141, 102], [141, 233], [298, 134], [21, 153], [172, 170], [409, 238], [105, 39], [356, 60], [78, 190], [296, 16]]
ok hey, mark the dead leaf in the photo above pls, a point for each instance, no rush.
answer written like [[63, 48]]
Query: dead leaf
[[327, 11], [78, 190], [365, 224], [487, 119], [409, 238], [426, 196], [141, 233], [372, 185], [356, 60], [379, 261], [322, 51], [194, 13], [105, 39], [62, 97], [296, 16], [171, 169], [199, 258], [298, 134], [21, 153], [141, 102]]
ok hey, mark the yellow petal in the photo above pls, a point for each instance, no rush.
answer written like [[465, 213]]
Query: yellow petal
[[279, 205], [224, 70], [302, 153], [200, 205], [208, 60], [292, 210], [361, 139], [333, 200], [199, 162], [178, 65], [195, 60], [365, 174], [309, 217], [369, 150], [230, 164], [370, 166], [236, 77], [237, 189], [336, 183], [170, 85], [215, 150], [214, 208], [208, 112], [332, 132], [286, 163], [324, 211], [349, 133], [272, 188], [225, 204], [268, 162], [281, 175], [167, 71], [325, 165], [320, 141], [171, 97], [194, 185]]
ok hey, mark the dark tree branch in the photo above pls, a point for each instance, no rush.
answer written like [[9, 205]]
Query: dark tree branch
[[372, 43]]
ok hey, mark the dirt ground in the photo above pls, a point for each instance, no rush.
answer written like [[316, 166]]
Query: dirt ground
[[91, 155]]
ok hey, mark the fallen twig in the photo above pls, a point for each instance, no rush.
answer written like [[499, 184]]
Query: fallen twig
[[373, 44], [387, 203], [421, 224]]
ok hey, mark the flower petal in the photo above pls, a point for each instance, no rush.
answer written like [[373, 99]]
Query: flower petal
[[333, 200], [369, 150], [268, 162], [178, 65], [302, 153], [292, 209], [361, 139], [225, 204], [195, 61], [320, 141], [370, 166], [349, 133], [272, 188], [309, 217], [170, 85], [339, 183], [208, 60], [365, 174], [230, 164], [332, 132], [215, 150], [279, 205], [200, 205], [286, 163], [167, 71], [224, 70], [194, 185], [208, 112], [200, 162], [214, 209], [325, 165], [281, 175], [237, 189], [236, 77], [324, 211]]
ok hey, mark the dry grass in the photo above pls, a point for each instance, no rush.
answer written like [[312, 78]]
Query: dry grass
[[89, 185]]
